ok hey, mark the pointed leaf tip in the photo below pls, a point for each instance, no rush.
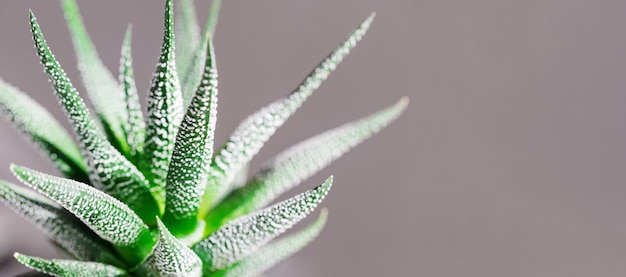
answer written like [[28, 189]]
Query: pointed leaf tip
[[252, 133], [277, 251], [171, 257], [109, 218], [108, 170], [299, 162], [242, 236], [165, 112]]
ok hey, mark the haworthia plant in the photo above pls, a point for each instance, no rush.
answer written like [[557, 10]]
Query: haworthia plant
[[150, 196]]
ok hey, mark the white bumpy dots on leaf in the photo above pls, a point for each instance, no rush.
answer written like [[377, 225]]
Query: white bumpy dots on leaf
[[273, 253], [109, 170], [104, 91], [241, 237], [135, 130], [254, 131], [45, 132], [299, 163], [59, 225], [109, 218], [165, 111], [192, 73], [171, 258], [192, 154], [69, 268]]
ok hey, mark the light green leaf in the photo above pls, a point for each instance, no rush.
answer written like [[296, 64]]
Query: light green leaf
[[69, 268], [254, 131], [187, 36], [135, 130], [269, 255], [165, 111], [193, 72], [192, 154], [300, 162], [45, 132], [171, 258], [103, 89], [109, 218], [108, 170], [59, 225], [242, 236]]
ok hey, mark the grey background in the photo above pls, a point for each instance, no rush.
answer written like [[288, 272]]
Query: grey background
[[510, 160]]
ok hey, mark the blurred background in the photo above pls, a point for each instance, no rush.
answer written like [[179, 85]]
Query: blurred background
[[510, 160]]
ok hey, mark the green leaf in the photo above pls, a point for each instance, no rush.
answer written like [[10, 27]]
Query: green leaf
[[193, 72], [135, 130], [108, 170], [103, 89], [254, 131], [172, 258], [69, 268], [300, 162], [109, 218], [59, 225], [187, 36], [165, 111], [45, 132], [242, 236], [192, 154], [269, 255]]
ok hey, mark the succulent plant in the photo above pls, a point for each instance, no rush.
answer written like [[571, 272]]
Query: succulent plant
[[150, 197]]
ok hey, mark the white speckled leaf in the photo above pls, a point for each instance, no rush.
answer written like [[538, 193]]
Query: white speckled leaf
[[103, 89], [59, 225], [242, 236], [187, 36], [171, 258], [269, 255], [192, 75], [45, 132], [254, 131], [135, 130], [300, 162], [109, 218], [165, 111], [193, 152], [69, 268], [108, 169]]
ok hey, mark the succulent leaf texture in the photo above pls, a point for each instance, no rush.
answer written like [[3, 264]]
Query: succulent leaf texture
[[150, 195]]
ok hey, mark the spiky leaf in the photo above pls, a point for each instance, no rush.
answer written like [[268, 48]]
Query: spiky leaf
[[70, 268], [109, 218], [275, 252], [193, 152], [67, 231], [239, 238], [171, 258], [108, 169], [165, 111], [193, 72], [300, 162], [254, 131], [103, 89], [45, 132], [135, 130]]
